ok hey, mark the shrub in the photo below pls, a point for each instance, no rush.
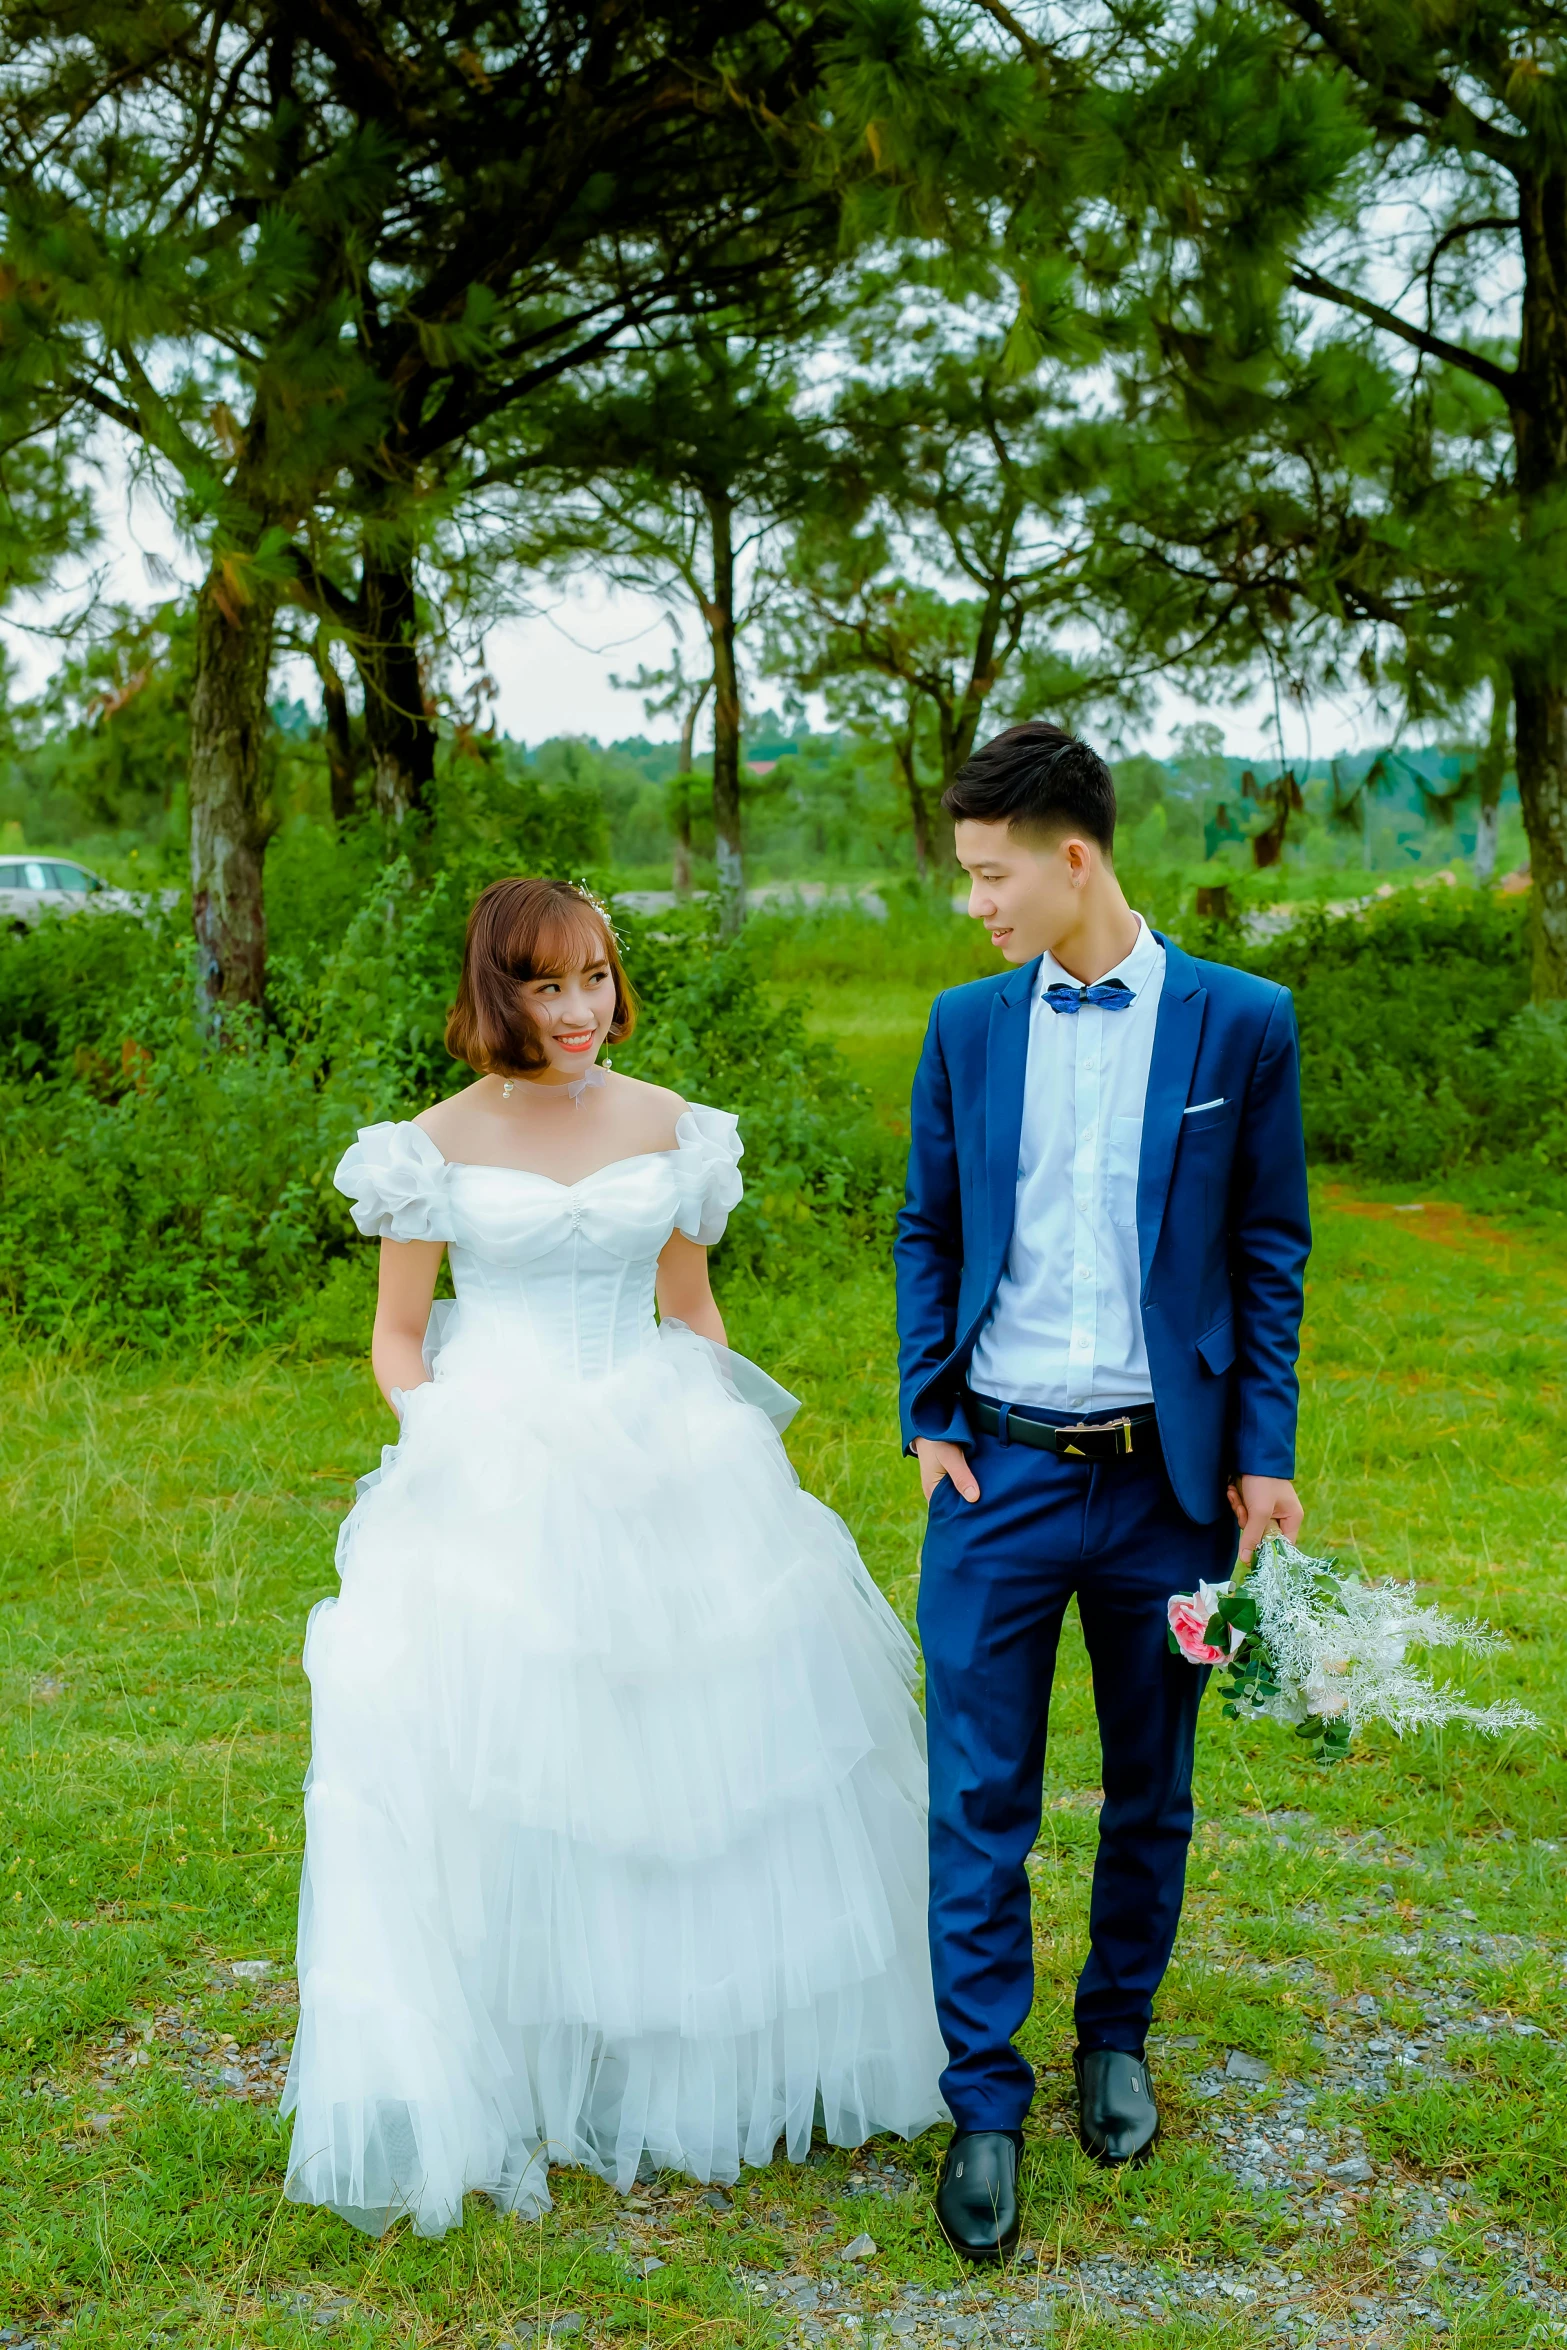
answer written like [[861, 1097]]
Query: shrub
[[154, 1190], [822, 1175], [1420, 1053], [65, 988]]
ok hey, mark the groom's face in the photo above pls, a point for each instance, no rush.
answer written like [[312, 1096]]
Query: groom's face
[[1027, 889]]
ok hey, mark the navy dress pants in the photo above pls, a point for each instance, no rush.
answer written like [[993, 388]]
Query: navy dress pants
[[996, 1576]]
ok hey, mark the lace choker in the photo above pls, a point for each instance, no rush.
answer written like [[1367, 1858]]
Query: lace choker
[[576, 1088]]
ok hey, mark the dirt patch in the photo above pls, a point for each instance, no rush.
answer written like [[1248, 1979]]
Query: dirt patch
[[1518, 1256], [1435, 1220]]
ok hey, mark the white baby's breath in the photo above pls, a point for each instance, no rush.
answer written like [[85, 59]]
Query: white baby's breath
[[1338, 1648]]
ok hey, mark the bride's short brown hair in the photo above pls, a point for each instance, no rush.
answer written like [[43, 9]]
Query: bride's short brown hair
[[526, 929]]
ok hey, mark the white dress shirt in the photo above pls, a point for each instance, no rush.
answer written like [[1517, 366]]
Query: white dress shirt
[[1066, 1326]]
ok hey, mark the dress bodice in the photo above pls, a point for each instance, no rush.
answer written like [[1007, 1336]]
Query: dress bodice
[[561, 1271]]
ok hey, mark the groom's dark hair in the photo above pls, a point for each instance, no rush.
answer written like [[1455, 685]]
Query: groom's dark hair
[[1036, 778]]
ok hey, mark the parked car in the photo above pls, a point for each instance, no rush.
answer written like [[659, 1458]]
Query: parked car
[[31, 887]]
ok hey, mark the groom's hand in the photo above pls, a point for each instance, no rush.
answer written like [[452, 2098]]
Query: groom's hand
[[937, 1460], [1261, 1503]]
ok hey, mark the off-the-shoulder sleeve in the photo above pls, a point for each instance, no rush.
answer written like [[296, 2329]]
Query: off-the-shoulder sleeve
[[711, 1149], [396, 1180]]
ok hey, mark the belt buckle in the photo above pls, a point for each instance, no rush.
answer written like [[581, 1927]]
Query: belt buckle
[[1121, 1430]]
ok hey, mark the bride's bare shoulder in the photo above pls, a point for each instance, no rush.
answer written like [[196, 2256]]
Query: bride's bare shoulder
[[443, 1120], [655, 1108]]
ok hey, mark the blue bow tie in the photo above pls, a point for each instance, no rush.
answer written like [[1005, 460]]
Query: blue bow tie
[[1111, 995]]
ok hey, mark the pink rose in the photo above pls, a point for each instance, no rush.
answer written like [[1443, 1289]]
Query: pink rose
[[1190, 1614]]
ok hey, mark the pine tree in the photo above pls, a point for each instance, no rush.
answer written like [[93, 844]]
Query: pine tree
[[947, 579], [669, 475], [302, 254], [1353, 215]]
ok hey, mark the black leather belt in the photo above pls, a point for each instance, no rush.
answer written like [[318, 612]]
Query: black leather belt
[[1084, 1440]]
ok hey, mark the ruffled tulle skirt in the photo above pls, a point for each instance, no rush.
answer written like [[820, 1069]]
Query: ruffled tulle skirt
[[616, 1806]]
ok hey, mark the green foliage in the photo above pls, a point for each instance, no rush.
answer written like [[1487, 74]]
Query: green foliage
[[103, 749], [154, 1190], [66, 990], [1421, 1054], [822, 1175]]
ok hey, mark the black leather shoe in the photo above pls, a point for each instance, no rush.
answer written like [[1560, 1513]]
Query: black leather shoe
[[976, 2195], [1118, 2120]]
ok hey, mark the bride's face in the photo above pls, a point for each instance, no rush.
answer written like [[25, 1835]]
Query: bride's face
[[573, 1012]]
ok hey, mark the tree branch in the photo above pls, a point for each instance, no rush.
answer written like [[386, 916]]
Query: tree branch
[[1034, 51], [116, 411], [1429, 92], [1504, 380], [1452, 236], [157, 423], [375, 83]]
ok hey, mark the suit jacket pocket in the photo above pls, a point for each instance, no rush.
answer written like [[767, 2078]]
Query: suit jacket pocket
[[1208, 1121], [1216, 1347]]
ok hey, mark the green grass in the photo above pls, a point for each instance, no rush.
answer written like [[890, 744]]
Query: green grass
[[167, 1533]]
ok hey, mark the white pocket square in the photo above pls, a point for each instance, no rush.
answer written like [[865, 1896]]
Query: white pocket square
[[1217, 1103]]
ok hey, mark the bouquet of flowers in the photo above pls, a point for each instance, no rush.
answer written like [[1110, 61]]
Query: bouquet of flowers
[[1325, 1652]]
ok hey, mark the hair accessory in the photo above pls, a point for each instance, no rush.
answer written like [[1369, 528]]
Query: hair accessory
[[590, 896]]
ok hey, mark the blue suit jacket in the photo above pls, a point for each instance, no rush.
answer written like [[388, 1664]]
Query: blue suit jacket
[[1222, 1223]]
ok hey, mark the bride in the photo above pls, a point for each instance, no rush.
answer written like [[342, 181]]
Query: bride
[[615, 1817]]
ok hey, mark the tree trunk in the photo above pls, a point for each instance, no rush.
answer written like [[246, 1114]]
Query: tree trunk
[[1490, 771], [1488, 825], [989, 656], [719, 613], [919, 805], [680, 833], [981, 679], [680, 797], [342, 763], [1541, 702], [399, 732], [1540, 675], [229, 828]]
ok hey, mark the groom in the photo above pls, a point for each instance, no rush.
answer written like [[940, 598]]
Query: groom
[[1100, 1269]]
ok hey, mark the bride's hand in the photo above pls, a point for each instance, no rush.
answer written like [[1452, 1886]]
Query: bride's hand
[[937, 1460]]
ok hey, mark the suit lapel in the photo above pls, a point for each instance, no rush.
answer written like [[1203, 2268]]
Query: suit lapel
[[1177, 1032], [1006, 1064]]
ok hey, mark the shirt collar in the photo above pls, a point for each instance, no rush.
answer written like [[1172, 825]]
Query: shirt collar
[[1134, 970]]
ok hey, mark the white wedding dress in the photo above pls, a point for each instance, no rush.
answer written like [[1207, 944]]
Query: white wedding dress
[[615, 1817]]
